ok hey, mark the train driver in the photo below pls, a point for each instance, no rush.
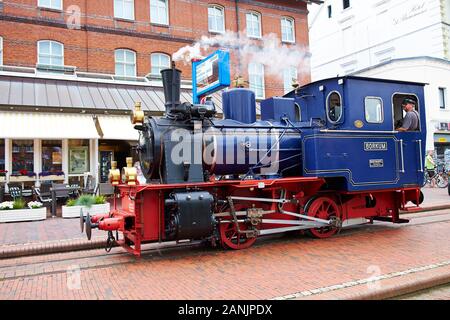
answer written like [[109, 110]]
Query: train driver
[[411, 119]]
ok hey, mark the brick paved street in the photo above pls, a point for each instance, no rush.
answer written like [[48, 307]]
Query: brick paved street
[[272, 268]]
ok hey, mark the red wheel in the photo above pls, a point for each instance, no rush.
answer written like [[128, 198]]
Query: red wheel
[[323, 208], [230, 238]]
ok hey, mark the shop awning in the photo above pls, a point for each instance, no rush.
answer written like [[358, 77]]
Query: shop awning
[[29, 125], [117, 128]]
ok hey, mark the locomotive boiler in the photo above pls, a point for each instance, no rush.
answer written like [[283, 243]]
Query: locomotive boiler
[[319, 159]]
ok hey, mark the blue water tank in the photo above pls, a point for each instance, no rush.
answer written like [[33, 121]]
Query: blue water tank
[[239, 104]]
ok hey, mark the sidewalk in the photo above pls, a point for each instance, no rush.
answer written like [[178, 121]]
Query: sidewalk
[[60, 235]]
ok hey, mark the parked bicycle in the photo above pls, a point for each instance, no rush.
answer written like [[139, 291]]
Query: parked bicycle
[[437, 177]]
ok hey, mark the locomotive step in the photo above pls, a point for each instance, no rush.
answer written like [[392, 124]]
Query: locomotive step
[[389, 219]]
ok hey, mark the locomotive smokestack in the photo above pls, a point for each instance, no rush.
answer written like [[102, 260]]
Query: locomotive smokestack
[[171, 82]]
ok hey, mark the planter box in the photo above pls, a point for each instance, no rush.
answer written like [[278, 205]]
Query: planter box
[[74, 212], [21, 179], [23, 215], [2, 179], [52, 178]]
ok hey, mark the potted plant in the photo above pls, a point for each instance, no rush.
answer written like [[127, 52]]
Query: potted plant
[[51, 175], [3, 175], [18, 211], [88, 203]]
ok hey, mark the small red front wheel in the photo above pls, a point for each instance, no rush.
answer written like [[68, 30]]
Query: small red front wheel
[[230, 238]]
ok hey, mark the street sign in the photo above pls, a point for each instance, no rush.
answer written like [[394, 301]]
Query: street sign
[[210, 74]]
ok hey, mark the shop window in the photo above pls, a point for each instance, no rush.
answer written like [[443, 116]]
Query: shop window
[[78, 156], [346, 4], [374, 110], [330, 11], [216, 19], [124, 9], [160, 61], [334, 107], [287, 30], [253, 20], [22, 156], [256, 79], [2, 155], [159, 12], [51, 155], [125, 63]]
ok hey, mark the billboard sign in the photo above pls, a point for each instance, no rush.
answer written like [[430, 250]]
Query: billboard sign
[[210, 74]]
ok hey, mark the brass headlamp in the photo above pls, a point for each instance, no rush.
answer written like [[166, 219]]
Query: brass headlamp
[[114, 174], [137, 118], [129, 173]]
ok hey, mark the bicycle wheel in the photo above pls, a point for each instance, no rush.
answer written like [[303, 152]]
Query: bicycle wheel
[[442, 181]]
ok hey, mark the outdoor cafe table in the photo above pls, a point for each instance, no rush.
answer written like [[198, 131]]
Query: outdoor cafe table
[[59, 192]]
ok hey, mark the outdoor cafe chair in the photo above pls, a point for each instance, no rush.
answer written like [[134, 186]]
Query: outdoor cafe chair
[[15, 192], [44, 199]]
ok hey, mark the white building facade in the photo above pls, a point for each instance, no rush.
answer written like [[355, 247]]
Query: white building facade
[[351, 35], [392, 39]]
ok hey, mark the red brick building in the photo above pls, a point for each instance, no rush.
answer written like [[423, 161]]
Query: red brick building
[[71, 71], [92, 31]]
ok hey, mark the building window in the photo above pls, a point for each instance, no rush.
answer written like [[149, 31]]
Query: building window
[[50, 53], [22, 157], [160, 61], [159, 12], [289, 77], [253, 25], [2, 155], [256, 79], [1, 51], [124, 9], [330, 11], [216, 19], [442, 98], [374, 110], [51, 155], [287, 30], [125, 63], [334, 107], [346, 4], [51, 4]]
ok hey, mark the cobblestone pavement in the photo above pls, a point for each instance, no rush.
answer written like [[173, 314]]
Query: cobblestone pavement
[[437, 293], [273, 268]]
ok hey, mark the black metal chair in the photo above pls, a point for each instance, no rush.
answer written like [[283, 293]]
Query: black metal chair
[[15, 192], [75, 193], [90, 187], [105, 189], [45, 199]]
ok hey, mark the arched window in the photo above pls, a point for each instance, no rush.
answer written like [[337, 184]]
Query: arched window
[[125, 63], [50, 53], [124, 9], [253, 20], [287, 30], [289, 77], [256, 79], [216, 19], [159, 61], [1, 51], [159, 11], [334, 107]]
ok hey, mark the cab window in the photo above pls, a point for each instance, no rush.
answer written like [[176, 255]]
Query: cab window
[[399, 113], [334, 107], [374, 109]]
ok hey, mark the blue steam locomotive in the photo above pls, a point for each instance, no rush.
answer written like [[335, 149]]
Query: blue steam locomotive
[[325, 156]]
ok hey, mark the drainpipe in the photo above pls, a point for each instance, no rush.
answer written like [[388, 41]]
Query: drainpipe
[[238, 27]]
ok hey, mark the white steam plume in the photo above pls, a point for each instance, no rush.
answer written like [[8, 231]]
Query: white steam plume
[[268, 51]]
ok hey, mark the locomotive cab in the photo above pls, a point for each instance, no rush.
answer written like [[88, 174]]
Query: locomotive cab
[[358, 147]]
